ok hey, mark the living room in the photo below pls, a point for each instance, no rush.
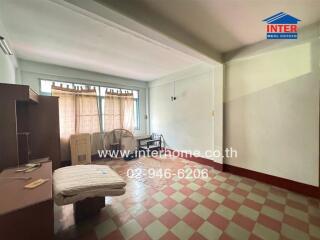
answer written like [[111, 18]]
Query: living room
[[160, 119]]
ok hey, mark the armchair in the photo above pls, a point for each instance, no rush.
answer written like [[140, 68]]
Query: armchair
[[120, 140]]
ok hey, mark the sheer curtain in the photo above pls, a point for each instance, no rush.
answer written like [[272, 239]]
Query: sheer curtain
[[87, 114], [78, 113], [67, 119], [118, 111]]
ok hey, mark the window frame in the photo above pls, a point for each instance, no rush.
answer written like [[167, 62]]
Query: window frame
[[137, 126]]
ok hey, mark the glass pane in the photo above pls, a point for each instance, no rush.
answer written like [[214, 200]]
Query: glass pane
[[96, 88], [113, 89], [63, 84], [102, 112], [126, 91], [135, 94], [45, 86], [79, 86], [102, 91], [135, 112]]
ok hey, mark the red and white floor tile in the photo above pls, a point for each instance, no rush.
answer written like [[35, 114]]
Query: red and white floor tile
[[222, 206]]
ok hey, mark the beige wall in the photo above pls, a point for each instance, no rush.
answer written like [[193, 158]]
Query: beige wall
[[187, 123], [271, 107]]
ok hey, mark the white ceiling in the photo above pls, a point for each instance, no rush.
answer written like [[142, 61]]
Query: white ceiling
[[45, 31], [42, 30], [223, 25]]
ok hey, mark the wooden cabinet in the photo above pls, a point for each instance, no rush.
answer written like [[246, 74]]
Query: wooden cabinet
[[27, 118], [24, 147]]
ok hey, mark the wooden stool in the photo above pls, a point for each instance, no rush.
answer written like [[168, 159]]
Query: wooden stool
[[88, 207]]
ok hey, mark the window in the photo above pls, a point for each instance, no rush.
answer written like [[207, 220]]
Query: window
[[45, 88]]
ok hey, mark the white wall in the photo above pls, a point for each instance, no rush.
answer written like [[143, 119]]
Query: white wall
[[31, 73], [7, 63], [271, 107], [218, 112], [7, 69], [187, 123]]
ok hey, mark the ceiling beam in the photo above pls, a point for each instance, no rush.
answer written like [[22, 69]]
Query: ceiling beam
[[110, 17]]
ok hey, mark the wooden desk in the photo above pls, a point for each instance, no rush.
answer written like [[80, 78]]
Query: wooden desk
[[26, 213]]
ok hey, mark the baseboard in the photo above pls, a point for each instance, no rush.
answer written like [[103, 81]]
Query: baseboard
[[290, 185], [209, 162], [201, 160]]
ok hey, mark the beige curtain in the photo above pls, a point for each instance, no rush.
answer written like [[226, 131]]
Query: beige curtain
[[87, 115], [118, 111], [78, 113]]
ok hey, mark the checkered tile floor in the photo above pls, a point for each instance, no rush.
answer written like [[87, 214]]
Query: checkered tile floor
[[223, 206]]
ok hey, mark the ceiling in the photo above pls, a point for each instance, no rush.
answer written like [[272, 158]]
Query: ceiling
[[224, 25], [48, 31], [44, 31]]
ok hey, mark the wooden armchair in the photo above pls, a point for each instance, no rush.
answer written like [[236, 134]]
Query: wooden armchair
[[120, 140]]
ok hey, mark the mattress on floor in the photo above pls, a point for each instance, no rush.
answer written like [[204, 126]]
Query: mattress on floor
[[75, 183]]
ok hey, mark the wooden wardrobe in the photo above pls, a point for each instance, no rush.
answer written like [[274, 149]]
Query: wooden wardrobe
[[29, 126]]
